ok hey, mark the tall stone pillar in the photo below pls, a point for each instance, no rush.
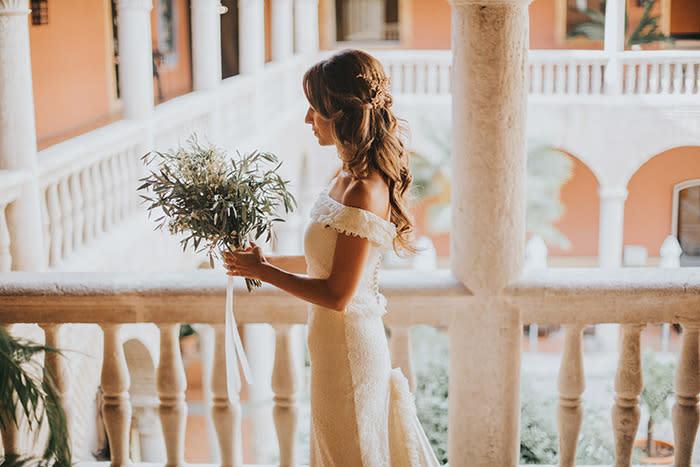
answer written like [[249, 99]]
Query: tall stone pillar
[[135, 58], [206, 44], [251, 27], [614, 43], [489, 106], [306, 26], [282, 29], [18, 135]]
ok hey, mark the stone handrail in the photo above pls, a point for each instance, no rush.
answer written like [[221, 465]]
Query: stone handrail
[[11, 183], [572, 298]]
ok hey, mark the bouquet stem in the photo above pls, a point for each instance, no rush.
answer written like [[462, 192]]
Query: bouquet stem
[[234, 346]]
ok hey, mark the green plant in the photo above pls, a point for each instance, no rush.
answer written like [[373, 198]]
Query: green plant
[[548, 169], [28, 384], [646, 32], [658, 388]]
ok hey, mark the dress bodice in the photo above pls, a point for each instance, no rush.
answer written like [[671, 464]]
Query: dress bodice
[[328, 219]]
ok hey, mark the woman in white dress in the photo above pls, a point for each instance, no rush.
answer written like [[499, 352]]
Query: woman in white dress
[[362, 412]]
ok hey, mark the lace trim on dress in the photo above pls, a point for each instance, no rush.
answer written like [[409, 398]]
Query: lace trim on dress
[[350, 220]]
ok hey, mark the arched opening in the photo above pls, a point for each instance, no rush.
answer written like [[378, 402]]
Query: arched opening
[[686, 220], [649, 208]]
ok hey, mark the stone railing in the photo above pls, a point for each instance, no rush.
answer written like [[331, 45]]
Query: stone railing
[[88, 183], [571, 298], [667, 72], [557, 72]]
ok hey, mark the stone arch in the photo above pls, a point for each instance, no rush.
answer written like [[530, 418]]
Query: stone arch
[[146, 432], [653, 149], [649, 204], [579, 223]]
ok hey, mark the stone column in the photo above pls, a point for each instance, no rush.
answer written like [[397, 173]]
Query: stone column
[[614, 44], [306, 26], [282, 29], [612, 218], [135, 58], [489, 106], [251, 30], [18, 135], [206, 44]]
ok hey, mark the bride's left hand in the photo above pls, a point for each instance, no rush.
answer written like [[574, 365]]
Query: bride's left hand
[[249, 263]]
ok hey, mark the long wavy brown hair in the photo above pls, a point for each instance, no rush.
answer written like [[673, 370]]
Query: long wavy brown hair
[[350, 90]]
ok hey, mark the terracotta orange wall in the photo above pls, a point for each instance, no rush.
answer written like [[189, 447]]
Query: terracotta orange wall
[[685, 16], [70, 65], [581, 215], [176, 79], [268, 31], [431, 28], [650, 196]]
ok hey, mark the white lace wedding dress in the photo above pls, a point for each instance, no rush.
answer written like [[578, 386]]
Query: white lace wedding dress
[[362, 411]]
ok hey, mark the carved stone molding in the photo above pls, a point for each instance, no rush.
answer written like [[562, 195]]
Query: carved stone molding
[[14, 7], [134, 5]]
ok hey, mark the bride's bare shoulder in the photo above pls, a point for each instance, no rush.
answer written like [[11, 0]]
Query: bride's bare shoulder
[[370, 193]]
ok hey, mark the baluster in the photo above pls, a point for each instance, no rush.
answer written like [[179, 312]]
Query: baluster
[[66, 216], [401, 353], [677, 75], [548, 78], [58, 368], [409, 78], [76, 197], [586, 86], [285, 384], [642, 79], [55, 235], [108, 183], [630, 78], [571, 384], [421, 78], [433, 78], [628, 386], [45, 223], [116, 409], [685, 415], [171, 391], [10, 435], [397, 86], [560, 79], [665, 78], [97, 200], [597, 78], [654, 78], [537, 78], [689, 78], [88, 205], [5, 241], [572, 79], [127, 185], [226, 413], [445, 79]]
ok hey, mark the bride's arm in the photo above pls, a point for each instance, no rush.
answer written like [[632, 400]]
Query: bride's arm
[[333, 292], [295, 264]]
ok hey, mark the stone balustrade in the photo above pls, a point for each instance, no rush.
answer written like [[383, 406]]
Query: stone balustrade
[[556, 72], [11, 182], [572, 298]]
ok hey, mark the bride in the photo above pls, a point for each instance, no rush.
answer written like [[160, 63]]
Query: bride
[[362, 412]]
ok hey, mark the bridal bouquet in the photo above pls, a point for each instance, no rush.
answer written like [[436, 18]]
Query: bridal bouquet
[[217, 202]]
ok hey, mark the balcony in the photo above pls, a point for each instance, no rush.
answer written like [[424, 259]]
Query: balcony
[[87, 197]]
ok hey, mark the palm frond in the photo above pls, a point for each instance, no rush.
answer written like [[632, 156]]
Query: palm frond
[[28, 383]]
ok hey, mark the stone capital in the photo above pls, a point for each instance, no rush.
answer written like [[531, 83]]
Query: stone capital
[[14, 7], [146, 5]]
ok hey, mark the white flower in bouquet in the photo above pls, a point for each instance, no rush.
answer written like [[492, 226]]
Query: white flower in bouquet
[[217, 202]]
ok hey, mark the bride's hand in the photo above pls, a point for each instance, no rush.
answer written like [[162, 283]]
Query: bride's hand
[[248, 263]]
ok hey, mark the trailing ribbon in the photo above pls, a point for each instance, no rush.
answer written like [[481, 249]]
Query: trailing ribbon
[[234, 346]]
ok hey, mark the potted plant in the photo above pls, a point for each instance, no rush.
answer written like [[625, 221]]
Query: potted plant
[[658, 388], [28, 384]]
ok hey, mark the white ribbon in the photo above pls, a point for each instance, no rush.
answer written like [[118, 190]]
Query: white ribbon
[[234, 347]]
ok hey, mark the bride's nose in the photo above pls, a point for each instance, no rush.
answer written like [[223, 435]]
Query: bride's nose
[[308, 118]]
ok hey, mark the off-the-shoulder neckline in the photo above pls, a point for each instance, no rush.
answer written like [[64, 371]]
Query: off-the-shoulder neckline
[[326, 192]]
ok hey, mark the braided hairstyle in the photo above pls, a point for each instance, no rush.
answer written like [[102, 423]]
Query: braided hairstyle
[[350, 90]]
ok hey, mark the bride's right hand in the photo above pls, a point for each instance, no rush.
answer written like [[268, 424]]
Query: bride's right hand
[[249, 263]]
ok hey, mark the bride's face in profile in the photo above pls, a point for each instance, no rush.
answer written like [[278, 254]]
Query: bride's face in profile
[[321, 127]]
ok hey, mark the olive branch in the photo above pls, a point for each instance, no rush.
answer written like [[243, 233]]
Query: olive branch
[[219, 203]]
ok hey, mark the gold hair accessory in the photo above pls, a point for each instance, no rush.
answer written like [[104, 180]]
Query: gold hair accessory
[[378, 86]]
